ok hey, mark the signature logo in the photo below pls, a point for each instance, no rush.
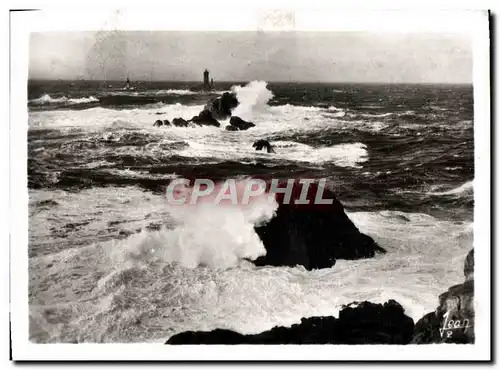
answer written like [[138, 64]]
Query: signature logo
[[451, 326]]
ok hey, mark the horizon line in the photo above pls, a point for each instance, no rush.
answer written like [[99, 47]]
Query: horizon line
[[248, 81]]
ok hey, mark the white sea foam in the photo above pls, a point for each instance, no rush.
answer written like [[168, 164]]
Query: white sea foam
[[46, 99], [343, 155], [175, 92], [208, 235], [371, 115], [467, 187], [253, 99], [144, 288]]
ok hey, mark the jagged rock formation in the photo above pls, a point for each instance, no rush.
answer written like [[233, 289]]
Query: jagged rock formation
[[217, 109], [453, 319], [312, 235], [363, 323], [221, 107]]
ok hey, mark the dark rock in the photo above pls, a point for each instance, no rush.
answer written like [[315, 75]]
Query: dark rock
[[166, 122], [158, 123], [427, 330], [240, 124], [205, 118], [370, 323], [231, 128], [453, 319], [222, 106], [312, 235], [261, 144], [367, 323], [47, 203], [217, 336], [179, 122], [469, 266]]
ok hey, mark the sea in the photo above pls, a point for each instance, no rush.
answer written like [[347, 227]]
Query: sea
[[111, 261]]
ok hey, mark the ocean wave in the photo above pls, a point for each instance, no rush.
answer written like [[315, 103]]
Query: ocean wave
[[465, 188], [134, 174], [176, 92], [342, 155], [253, 98], [371, 115], [217, 236], [46, 99], [364, 125], [289, 108], [336, 112]]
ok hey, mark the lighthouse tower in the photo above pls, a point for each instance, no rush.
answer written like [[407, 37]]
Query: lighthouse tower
[[206, 80]]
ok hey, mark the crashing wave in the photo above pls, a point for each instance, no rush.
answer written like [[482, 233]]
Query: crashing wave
[[46, 99], [464, 188], [208, 235], [253, 98]]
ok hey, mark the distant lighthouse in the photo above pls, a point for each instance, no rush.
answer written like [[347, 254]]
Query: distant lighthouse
[[206, 80]]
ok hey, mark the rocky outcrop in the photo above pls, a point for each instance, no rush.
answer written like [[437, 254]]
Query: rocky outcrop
[[312, 235], [261, 144], [240, 124], [179, 122], [217, 109], [469, 266], [453, 319], [221, 107], [160, 123], [358, 323], [231, 128], [205, 118]]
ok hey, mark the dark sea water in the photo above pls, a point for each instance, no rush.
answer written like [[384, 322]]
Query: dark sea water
[[109, 261]]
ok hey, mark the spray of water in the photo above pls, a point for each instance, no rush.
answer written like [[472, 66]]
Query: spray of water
[[214, 235], [253, 99]]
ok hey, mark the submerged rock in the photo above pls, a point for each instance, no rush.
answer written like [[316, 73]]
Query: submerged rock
[[363, 323], [453, 319], [261, 144], [312, 235], [231, 128], [240, 124]]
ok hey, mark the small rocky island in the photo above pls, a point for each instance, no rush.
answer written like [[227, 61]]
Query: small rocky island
[[215, 110]]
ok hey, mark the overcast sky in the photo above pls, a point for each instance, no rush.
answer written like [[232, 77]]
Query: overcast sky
[[244, 56]]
